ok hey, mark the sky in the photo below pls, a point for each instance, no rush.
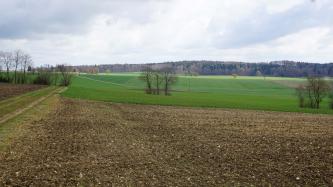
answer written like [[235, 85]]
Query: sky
[[82, 32]]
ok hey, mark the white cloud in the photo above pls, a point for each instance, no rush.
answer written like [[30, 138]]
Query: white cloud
[[135, 31], [281, 5]]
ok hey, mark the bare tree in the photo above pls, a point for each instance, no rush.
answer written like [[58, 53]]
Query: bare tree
[[1, 62], [147, 77], [301, 94], [55, 75], [26, 62], [17, 56], [317, 89], [158, 79], [312, 93], [43, 75], [66, 74], [7, 60], [169, 77]]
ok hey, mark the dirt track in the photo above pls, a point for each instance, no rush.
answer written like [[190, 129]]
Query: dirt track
[[23, 109], [9, 90], [91, 143]]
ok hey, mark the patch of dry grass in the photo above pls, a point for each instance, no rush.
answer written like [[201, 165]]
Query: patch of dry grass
[[10, 90]]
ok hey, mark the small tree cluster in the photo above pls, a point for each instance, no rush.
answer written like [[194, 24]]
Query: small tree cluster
[[158, 81], [57, 75], [16, 61], [15, 67], [66, 74], [44, 76], [312, 93]]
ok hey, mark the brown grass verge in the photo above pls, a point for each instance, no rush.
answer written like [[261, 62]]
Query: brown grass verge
[[10, 90]]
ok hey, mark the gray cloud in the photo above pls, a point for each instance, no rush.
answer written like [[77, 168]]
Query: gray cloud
[[127, 31], [30, 18], [263, 26]]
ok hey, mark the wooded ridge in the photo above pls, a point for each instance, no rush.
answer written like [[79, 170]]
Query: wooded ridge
[[274, 68]]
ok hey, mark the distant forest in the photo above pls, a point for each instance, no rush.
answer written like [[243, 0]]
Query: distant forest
[[275, 68]]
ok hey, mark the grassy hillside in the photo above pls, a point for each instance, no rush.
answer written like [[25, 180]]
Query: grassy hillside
[[200, 91]]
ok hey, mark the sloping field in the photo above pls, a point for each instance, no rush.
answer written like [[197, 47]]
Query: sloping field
[[216, 84], [85, 143], [204, 91]]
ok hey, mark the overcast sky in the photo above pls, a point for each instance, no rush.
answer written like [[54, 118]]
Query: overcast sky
[[142, 31]]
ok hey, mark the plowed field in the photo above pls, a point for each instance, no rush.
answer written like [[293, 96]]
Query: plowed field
[[95, 143]]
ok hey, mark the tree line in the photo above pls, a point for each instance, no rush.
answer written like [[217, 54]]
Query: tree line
[[158, 81], [19, 62], [274, 68], [17, 67]]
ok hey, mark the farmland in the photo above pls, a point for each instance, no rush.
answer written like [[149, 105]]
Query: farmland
[[87, 143], [166, 93], [270, 93], [64, 141]]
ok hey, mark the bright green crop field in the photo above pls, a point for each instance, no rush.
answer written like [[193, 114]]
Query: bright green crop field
[[270, 93]]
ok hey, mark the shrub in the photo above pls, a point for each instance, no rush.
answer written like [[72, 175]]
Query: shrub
[[20, 79], [66, 74], [4, 78], [66, 79], [44, 78]]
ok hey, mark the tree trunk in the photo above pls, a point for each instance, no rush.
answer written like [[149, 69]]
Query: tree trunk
[[157, 85], [166, 87], [7, 73], [15, 74], [24, 80]]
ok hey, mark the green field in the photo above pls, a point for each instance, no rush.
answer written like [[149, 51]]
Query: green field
[[271, 93]]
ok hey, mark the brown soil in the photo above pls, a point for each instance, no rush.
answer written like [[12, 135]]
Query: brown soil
[[93, 143], [9, 90]]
